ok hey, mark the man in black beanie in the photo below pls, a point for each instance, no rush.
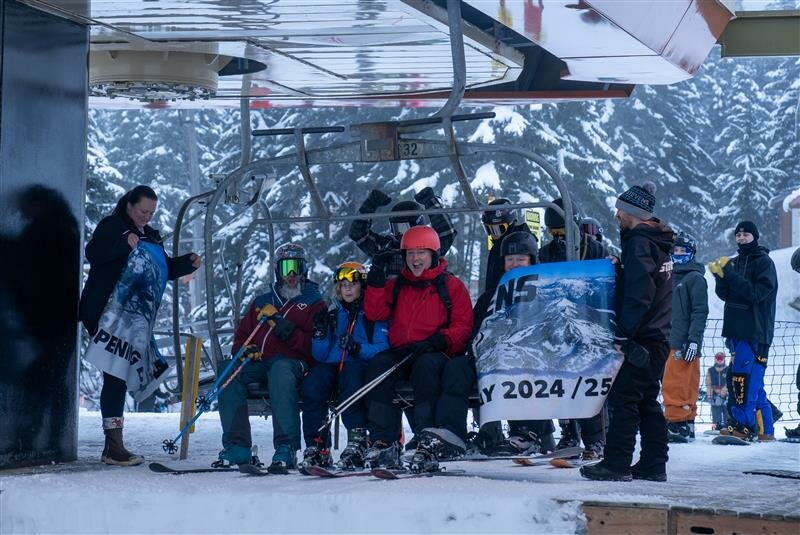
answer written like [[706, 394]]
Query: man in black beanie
[[643, 315], [748, 284]]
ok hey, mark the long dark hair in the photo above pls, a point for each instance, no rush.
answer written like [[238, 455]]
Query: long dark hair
[[134, 196]]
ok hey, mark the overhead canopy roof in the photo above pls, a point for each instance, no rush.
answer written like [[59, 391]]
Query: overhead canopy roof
[[389, 52]]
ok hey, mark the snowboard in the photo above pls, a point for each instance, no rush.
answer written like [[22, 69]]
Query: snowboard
[[319, 471], [788, 474], [793, 440], [383, 473], [164, 469], [545, 458], [728, 440], [253, 470], [711, 432], [572, 463]]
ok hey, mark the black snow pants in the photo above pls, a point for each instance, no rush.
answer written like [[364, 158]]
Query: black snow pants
[[633, 406]]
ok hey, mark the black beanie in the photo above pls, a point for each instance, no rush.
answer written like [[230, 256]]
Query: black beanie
[[639, 201], [747, 226]]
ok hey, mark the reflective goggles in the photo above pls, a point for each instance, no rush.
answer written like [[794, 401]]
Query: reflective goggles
[[287, 266], [495, 230], [349, 275], [399, 228], [590, 228]]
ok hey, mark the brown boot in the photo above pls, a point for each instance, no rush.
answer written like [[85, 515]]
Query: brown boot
[[114, 451]]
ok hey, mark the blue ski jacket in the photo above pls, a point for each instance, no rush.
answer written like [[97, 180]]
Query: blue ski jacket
[[327, 350]]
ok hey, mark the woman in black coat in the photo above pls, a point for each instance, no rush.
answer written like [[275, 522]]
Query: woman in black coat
[[107, 252]]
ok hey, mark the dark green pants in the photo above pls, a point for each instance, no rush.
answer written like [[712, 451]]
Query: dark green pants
[[282, 376]]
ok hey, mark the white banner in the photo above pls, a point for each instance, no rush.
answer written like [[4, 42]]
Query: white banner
[[545, 350], [123, 345]]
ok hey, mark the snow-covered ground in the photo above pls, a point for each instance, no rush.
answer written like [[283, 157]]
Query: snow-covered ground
[[87, 497]]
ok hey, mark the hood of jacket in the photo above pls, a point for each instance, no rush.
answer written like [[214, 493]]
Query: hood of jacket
[[682, 269], [659, 234]]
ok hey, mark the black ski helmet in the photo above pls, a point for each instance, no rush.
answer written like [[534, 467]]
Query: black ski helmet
[[497, 222], [553, 219], [685, 240], [400, 224], [796, 260], [520, 242]]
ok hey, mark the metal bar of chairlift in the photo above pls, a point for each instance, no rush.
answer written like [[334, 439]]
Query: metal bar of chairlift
[[292, 131], [454, 23], [469, 195], [302, 162]]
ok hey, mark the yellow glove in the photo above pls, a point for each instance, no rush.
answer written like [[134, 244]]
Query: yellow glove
[[717, 267], [723, 261], [267, 311], [252, 352]]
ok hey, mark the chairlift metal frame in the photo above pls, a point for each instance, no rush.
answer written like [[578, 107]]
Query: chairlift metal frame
[[374, 142]]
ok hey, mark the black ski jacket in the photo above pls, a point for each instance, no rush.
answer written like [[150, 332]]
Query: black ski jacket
[[644, 285], [495, 266], [556, 250], [689, 305], [107, 253], [749, 289]]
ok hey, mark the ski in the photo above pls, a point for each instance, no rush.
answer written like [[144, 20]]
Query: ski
[[729, 440], [253, 470], [319, 471], [572, 463], [545, 458], [164, 469], [383, 473], [788, 474]]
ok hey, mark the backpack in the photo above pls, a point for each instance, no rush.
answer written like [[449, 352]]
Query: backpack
[[440, 282]]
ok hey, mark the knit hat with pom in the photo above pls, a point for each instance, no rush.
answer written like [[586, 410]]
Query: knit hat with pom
[[639, 201]]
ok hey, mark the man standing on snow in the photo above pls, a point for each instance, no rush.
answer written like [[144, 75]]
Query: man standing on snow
[[748, 284], [644, 308], [681, 384]]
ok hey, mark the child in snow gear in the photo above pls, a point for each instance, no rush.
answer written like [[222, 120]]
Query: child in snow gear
[[644, 310], [290, 306], [590, 430], [717, 391], [432, 321], [343, 343], [681, 384], [385, 248], [107, 252], [748, 284]]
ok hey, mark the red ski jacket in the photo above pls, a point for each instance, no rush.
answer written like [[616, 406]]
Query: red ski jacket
[[420, 311]]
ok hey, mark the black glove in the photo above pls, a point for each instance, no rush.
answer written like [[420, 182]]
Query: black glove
[[636, 354], [320, 325], [690, 351], [377, 276], [438, 341], [374, 200], [347, 343], [252, 352], [283, 328], [427, 198]]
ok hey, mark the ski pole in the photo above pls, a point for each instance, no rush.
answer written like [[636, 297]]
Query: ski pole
[[361, 392], [344, 350], [204, 402]]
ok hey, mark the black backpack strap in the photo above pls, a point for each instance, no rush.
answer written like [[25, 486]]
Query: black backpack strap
[[441, 288], [369, 328], [399, 282]]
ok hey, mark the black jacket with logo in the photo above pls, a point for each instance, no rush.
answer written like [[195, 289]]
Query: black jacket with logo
[[644, 285]]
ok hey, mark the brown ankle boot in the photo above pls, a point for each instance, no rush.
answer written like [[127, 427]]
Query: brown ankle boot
[[114, 451]]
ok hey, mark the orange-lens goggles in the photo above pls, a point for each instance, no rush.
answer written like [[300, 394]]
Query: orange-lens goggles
[[348, 274]]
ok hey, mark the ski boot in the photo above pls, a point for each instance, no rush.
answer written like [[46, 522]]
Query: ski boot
[[680, 432], [523, 442], [568, 438], [412, 444], [739, 431], [638, 471], [283, 460], [383, 455], [592, 452], [352, 457], [317, 456], [436, 443]]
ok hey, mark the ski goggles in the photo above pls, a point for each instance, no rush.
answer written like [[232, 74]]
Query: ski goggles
[[495, 230], [590, 228], [399, 228], [558, 232], [287, 266], [349, 275]]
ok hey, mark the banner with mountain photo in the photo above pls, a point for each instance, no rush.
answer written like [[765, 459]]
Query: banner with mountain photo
[[545, 349], [123, 345]]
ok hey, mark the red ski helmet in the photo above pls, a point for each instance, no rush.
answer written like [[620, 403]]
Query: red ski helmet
[[421, 237]]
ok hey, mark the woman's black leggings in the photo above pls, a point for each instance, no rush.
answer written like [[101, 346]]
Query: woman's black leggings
[[112, 396]]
